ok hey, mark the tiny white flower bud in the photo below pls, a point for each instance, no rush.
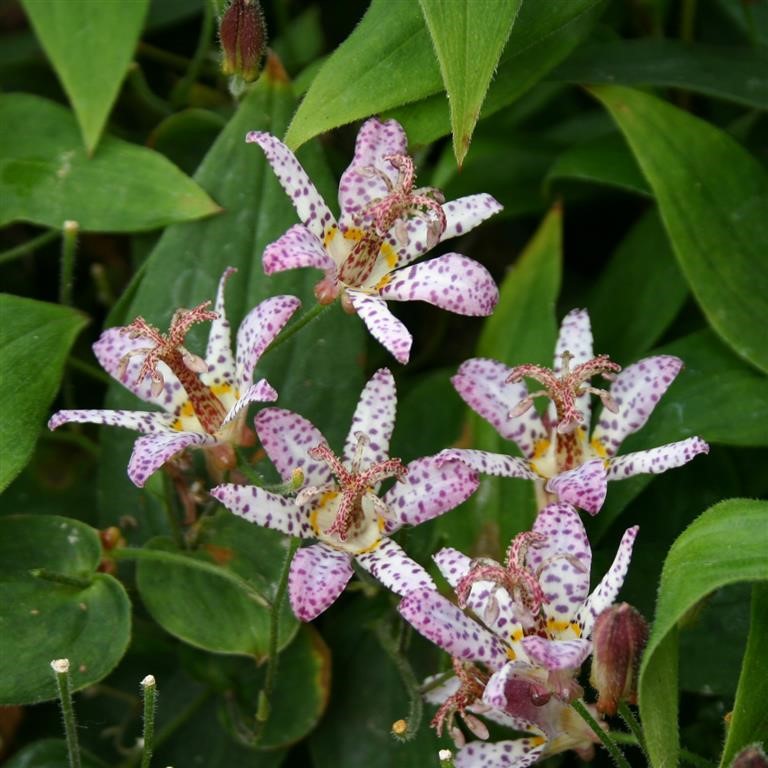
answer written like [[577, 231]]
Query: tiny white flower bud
[[445, 754], [60, 666], [148, 681]]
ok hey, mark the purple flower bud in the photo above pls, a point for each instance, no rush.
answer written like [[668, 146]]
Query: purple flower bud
[[750, 757], [243, 35], [618, 638]]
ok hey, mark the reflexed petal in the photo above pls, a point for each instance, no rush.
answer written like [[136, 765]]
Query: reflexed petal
[[394, 569], [257, 331], [636, 390], [312, 210], [489, 463], [359, 187], [260, 392], [430, 488], [519, 753], [146, 422], [441, 622], [218, 355], [453, 282], [454, 565], [654, 461], [263, 508], [482, 384], [375, 418], [383, 325], [575, 337], [114, 346], [287, 438], [152, 451], [556, 654], [606, 591], [298, 247], [584, 487], [317, 577]]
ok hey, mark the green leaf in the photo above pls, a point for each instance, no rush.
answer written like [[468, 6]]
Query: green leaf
[[208, 610], [697, 564], [731, 73], [468, 49], [90, 46], [47, 178], [48, 753], [35, 339], [87, 622], [749, 719], [185, 266], [523, 328], [713, 199], [641, 281]]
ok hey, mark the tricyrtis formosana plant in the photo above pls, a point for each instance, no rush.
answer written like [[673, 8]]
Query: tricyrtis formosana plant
[[383, 299]]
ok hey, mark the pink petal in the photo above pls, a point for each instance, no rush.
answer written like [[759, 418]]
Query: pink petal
[[482, 384], [575, 337], [606, 591], [562, 561], [383, 325], [374, 418], [218, 355], [317, 577], [584, 487], [260, 392], [453, 282], [257, 331], [394, 569], [111, 349], [298, 247], [287, 438], [312, 210], [556, 654], [654, 461], [489, 463], [430, 488], [152, 451], [636, 390], [263, 508], [509, 691], [441, 622], [519, 753], [359, 186], [146, 422]]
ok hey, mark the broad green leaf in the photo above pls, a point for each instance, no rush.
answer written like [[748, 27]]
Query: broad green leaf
[[543, 35], [48, 753], [606, 160], [88, 622], [641, 281], [185, 266], [713, 199], [468, 50], [749, 719], [684, 582], [90, 45], [47, 178], [734, 74], [207, 610], [522, 329], [35, 339]]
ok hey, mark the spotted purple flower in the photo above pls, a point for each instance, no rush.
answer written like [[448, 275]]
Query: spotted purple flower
[[204, 401], [385, 224], [534, 617], [558, 450], [340, 506]]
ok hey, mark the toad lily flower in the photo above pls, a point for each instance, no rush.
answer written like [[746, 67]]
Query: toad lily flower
[[204, 402], [535, 620], [340, 506], [385, 224], [559, 452]]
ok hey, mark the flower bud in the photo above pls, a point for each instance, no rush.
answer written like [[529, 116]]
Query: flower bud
[[618, 639], [243, 35], [750, 757]]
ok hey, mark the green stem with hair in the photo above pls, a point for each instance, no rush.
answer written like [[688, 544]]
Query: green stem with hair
[[61, 671], [607, 739]]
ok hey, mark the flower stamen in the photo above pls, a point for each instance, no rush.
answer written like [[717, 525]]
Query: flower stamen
[[472, 682]]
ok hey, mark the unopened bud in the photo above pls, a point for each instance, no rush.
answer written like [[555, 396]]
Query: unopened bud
[[399, 727], [618, 638], [111, 537], [750, 757], [243, 35], [60, 666]]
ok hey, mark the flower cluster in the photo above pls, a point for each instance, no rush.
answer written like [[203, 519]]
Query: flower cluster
[[518, 632]]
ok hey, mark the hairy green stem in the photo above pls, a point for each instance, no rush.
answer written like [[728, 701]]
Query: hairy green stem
[[610, 745], [149, 692], [60, 669], [304, 320], [68, 251], [628, 716], [691, 758], [31, 245]]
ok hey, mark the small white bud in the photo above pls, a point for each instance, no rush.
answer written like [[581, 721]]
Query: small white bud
[[148, 681], [445, 754], [60, 666], [71, 226]]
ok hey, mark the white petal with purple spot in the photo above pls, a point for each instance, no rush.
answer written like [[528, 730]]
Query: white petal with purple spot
[[394, 569], [383, 325], [152, 451], [585, 487], [489, 463], [146, 422], [297, 248], [654, 461], [317, 576]]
